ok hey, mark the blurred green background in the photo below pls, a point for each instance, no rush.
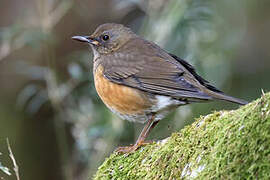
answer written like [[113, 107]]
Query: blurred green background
[[57, 126]]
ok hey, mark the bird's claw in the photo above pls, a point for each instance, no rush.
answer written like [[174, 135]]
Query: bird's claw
[[132, 148]]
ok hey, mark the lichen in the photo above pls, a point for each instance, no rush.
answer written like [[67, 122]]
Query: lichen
[[222, 145]]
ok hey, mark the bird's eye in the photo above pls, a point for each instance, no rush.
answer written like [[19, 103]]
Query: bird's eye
[[105, 37]]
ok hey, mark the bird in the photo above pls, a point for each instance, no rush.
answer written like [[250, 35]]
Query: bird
[[141, 82]]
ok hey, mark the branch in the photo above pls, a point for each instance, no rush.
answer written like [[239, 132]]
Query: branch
[[16, 167], [223, 145]]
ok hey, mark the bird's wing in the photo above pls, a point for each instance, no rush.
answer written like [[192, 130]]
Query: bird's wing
[[157, 72]]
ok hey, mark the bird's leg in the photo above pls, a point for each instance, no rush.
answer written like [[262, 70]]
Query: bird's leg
[[145, 132], [141, 139]]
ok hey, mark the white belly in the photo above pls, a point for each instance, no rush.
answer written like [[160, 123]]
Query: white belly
[[164, 105]]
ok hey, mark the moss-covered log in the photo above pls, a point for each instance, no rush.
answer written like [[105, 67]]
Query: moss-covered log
[[222, 145]]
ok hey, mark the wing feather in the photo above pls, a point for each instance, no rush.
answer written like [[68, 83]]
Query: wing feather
[[155, 71]]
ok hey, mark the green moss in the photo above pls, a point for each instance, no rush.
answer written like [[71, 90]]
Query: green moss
[[225, 145]]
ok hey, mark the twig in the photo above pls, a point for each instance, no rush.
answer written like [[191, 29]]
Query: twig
[[16, 167]]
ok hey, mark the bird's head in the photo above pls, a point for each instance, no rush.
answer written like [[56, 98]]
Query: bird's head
[[107, 38]]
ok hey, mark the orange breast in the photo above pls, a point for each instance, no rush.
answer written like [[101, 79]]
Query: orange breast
[[123, 99]]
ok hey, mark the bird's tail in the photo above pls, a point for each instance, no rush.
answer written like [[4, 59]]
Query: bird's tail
[[225, 97]]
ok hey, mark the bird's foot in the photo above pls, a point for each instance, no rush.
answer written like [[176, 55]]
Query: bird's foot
[[132, 148]]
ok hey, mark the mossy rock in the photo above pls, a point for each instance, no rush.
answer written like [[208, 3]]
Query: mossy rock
[[223, 145]]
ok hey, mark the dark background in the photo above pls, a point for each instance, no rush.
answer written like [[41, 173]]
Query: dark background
[[57, 126]]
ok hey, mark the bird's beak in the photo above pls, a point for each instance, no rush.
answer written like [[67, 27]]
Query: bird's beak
[[86, 39]]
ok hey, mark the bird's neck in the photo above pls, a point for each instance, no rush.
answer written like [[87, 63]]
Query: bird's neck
[[97, 60]]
